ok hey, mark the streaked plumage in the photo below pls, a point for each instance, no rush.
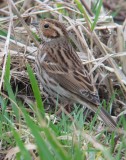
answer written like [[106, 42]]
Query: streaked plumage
[[61, 72]]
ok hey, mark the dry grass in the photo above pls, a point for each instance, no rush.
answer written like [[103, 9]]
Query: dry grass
[[102, 51]]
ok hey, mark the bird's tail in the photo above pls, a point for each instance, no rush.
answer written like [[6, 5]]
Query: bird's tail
[[107, 118], [110, 122]]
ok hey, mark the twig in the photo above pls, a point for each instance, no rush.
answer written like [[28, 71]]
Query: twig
[[23, 23], [112, 62], [7, 45], [87, 8]]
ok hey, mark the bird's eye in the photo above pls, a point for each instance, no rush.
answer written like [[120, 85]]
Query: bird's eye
[[46, 25]]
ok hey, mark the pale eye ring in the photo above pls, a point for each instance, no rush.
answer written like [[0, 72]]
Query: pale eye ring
[[46, 25]]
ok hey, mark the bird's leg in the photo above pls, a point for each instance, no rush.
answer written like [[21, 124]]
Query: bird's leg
[[66, 107]]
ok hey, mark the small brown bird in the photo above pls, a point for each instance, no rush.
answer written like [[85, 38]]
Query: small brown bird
[[61, 72]]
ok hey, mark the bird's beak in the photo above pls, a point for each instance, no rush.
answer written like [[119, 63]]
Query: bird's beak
[[35, 24]]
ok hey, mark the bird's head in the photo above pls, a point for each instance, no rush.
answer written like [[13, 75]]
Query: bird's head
[[51, 29]]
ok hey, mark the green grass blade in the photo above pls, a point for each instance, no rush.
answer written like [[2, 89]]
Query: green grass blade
[[23, 150], [43, 148], [53, 144], [57, 149], [35, 89], [78, 153], [9, 89], [7, 70], [97, 15], [12, 98], [95, 118], [83, 11], [3, 32], [3, 105]]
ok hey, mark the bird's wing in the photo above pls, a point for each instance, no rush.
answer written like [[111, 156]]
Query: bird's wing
[[72, 80]]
